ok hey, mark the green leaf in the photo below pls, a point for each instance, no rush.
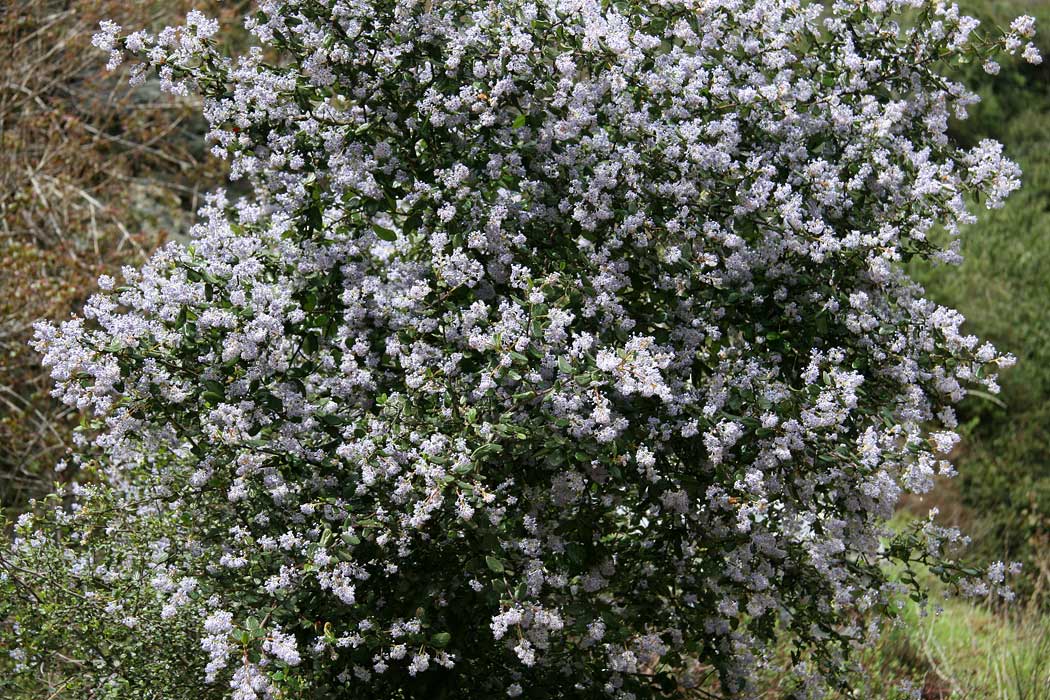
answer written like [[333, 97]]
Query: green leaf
[[440, 640], [487, 449], [519, 121], [383, 233], [494, 564], [331, 419], [412, 223], [272, 402]]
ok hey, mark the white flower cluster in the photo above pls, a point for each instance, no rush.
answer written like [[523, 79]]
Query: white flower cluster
[[569, 336]]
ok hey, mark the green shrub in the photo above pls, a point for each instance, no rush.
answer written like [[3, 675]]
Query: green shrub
[[557, 350]]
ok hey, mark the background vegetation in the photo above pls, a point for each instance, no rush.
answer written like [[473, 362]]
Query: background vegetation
[[1004, 292], [94, 175], [1002, 494]]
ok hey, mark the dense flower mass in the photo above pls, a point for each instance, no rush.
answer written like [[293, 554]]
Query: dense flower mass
[[562, 348]]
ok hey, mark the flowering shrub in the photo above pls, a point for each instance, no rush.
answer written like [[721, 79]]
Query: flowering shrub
[[562, 350]]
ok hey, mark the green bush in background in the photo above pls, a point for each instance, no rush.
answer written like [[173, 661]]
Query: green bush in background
[[1004, 292]]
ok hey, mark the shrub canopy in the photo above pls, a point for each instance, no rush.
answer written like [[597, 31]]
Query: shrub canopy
[[561, 349]]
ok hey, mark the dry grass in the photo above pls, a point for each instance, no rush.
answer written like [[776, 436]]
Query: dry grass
[[94, 174]]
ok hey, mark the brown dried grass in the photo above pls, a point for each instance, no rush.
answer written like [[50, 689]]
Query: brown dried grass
[[94, 174]]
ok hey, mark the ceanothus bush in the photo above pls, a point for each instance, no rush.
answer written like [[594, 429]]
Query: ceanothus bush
[[560, 349]]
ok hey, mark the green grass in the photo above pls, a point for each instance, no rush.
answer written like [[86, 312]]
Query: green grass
[[968, 651], [960, 649], [983, 654]]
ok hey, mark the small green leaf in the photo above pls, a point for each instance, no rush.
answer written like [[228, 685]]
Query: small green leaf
[[487, 449], [440, 640], [412, 223], [494, 564], [331, 419], [383, 233]]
